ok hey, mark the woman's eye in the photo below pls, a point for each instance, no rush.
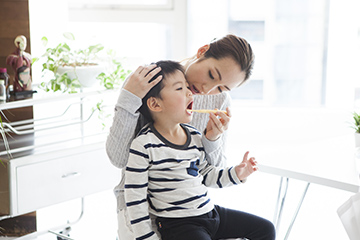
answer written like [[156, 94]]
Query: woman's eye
[[210, 75], [180, 88], [219, 88]]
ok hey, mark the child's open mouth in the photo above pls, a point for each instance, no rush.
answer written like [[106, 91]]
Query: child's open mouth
[[189, 107]]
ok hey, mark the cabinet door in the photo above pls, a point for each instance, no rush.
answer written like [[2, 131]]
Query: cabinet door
[[56, 180]]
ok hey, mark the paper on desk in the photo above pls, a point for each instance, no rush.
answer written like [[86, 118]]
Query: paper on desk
[[349, 214]]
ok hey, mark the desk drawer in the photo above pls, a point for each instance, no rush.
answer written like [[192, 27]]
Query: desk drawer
[[57, 180]]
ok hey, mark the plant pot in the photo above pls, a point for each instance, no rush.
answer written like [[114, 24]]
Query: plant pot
[[85, 74], [357, 140]]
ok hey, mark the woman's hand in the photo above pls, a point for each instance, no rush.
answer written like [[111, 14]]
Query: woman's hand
[[217, 124], [246, 167], [138, 82]]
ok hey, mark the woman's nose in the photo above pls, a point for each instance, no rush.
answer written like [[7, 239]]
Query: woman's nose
[[208, 88]]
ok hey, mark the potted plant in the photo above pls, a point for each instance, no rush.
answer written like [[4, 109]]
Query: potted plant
[[75, 69], [356, 126]]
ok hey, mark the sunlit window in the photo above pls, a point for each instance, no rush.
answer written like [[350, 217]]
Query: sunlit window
[[148, 32], [306, 51]]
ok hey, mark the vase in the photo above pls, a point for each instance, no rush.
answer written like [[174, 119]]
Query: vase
[[85, 74]]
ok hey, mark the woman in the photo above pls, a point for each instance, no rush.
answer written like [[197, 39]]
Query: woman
[[216, 68]]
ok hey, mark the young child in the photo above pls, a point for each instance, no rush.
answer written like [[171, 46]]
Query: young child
[[167, 174]]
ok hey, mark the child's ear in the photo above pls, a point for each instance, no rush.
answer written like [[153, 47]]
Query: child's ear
[[153, 104]]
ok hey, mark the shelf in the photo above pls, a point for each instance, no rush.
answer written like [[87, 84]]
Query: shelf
[[75, 125], [42, 97]]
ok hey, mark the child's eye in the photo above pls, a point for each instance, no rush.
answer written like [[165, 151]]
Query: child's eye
[[220, 90], [180, 88], [210, 75]]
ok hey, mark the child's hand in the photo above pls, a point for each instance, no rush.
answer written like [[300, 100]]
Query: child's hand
[[246, 167], [138, 82], [217, 124]]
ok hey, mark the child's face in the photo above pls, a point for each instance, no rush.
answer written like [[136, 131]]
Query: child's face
[[176, 98]]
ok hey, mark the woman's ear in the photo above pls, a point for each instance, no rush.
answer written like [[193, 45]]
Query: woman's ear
[[201, 51], [153, 104]]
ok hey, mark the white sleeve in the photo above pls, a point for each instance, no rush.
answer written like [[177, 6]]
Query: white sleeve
[[217, 177]]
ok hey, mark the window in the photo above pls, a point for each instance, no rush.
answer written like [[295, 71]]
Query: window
[[297, 46], [140, 34], [307, 52]]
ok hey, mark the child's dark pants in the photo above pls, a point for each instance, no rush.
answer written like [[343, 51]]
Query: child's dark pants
[[220, 223]]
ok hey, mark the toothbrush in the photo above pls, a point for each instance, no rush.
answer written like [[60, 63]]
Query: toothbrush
[[206, 111]]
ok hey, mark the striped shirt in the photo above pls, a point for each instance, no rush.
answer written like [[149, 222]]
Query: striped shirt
[[127, 121], [169, 180]]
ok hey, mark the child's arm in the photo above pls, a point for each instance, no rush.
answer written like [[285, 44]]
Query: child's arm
[[224, 177], [136, 185]]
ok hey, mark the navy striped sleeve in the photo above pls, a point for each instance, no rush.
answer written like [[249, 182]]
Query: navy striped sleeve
[[136, 185], [230, 177], [218, 182]]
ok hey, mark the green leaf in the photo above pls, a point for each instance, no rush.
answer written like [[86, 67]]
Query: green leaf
[[109, 85], [65, 47], [44, 41], [69, 35], [95, 48], [34, 60]]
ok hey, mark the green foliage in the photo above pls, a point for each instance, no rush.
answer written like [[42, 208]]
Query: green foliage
[[356, 125], [63, 55], [113, 80], [102, 114]]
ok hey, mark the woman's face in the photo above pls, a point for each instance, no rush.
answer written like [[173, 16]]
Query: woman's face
[[211, 76]]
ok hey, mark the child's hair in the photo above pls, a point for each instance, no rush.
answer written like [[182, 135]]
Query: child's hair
[[168, 67]]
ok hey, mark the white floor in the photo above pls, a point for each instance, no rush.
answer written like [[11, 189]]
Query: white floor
[[317, 218]]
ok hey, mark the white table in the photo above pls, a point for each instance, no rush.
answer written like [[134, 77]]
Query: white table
[[315, 146], [327, 162]]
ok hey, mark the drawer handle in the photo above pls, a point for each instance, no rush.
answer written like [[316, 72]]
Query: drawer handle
[[71, 174]]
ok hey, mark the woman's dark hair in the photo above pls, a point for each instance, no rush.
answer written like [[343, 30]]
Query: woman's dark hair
[[168, 67], [235, 47]]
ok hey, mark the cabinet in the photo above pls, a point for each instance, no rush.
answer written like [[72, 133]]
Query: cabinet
[[63, 156]]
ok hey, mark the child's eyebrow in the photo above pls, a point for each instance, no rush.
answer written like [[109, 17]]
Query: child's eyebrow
[[178, 82]]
